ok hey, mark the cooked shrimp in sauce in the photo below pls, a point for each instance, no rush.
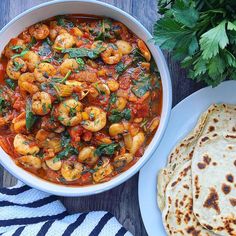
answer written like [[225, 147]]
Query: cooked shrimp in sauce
[[80, 99]]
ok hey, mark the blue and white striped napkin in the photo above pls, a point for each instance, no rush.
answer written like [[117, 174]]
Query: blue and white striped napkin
[[29, 212]]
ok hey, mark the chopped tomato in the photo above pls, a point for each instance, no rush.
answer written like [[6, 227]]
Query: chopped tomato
[[124, 82], [86, 178], [75, 133]]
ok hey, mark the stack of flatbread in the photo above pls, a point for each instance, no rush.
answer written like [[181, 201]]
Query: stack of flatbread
[[197, 188]]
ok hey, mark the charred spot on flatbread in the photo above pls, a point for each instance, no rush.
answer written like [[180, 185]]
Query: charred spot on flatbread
[[226, 189], [230, 178], [212, 201], [233, 201]]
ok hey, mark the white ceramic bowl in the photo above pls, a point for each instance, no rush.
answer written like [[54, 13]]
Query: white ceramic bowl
[[46, 10]]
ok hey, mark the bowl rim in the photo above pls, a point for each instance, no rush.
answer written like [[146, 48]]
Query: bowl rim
[[70, 191]]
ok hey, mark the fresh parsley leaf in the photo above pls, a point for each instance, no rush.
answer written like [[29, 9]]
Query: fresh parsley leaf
[[212, 40], [106, 149], [201, 35], [30, 117]]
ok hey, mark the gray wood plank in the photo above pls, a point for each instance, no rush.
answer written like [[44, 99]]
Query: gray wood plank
[[122, 201]]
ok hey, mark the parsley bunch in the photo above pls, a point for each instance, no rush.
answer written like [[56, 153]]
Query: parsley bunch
[[200, 34]]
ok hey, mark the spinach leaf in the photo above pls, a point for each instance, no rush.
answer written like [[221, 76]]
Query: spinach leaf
[[45, 49], [30, 117], [126, 114], [84, 52], [17, 66], [11, 83], [81, 63], [106, 149], [20, 54], [116, 116], [69, 150], [60, 21], [103, 32], [4, 104], [141, 86], [120, 67], [113, 98], [32, 43], [65, 139]]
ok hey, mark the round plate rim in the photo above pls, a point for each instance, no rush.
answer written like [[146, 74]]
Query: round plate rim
[[143, 171]]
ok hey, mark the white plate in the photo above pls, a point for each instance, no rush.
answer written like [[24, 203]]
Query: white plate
[[182, 120]]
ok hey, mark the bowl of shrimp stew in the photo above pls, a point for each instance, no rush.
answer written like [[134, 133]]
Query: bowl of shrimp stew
[[85, 97]]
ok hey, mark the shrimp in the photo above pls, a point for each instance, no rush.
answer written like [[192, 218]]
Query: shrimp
[[98, 119], [102, 88], [63, 41], [88, 156], [68, 65], [55, 29], [124, 46], [71, 170], [111, 55], [19, 123], [30, 161], [15, 67], [41, 103], [153, 124], [54, 165], [144, 50], [25, 145], [70, 112], [39, 31], [43, 71], [103, 171], [26, 83], [138, 141], [122, 160], [15, 46], [32, 60]]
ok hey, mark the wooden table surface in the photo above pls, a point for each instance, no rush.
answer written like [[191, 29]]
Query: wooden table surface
[[121, 201]]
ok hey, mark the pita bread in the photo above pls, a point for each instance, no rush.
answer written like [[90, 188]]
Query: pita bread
[[214, 182], [178, 217], [217, 117]]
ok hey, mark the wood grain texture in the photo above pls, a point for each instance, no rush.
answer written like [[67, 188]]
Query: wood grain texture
[[122, 201]]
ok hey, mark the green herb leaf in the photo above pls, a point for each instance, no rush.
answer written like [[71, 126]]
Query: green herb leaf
[[30, 117], [212, 40], [120, 68], [20, 54], [45, 50], [141, 86], [69, 150], [11, 83], [81, 63], [116, 116], [106, 149], [113, 98], [84, 52]]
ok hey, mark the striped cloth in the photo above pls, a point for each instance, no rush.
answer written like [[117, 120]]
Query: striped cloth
[[29, 212]]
